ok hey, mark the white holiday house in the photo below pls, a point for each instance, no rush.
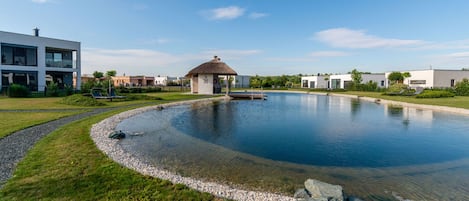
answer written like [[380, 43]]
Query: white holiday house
[[432, 78], [33, 61]]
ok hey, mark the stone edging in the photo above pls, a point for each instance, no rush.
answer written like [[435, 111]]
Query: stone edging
[[100, 131]]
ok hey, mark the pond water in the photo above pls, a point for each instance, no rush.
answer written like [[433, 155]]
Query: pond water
[[370, 149]]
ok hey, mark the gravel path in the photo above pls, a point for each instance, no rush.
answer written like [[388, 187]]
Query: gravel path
[[14, 147]]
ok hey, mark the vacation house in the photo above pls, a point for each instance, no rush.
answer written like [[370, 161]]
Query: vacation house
[[432, 78], [341, 81], [133, 81], [205, 77], [34, 61]]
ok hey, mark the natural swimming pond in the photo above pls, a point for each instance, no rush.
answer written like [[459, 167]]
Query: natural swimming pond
[[370, 149]]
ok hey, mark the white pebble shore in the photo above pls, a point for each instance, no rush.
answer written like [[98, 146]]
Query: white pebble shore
[[100, 131]]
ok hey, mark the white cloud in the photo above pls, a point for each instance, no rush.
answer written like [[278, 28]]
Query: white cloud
[[458, 55], [40, 1], [329, 54], [256, 15], [225, 13], [348, 38]]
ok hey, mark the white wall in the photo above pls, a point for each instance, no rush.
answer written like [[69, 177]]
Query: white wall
[[41, 43], [375, 77], [342, 77], [442, 78], [205, 84], [319, 81]]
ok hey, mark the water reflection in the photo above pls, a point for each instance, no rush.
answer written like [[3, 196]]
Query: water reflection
[[341, 134]]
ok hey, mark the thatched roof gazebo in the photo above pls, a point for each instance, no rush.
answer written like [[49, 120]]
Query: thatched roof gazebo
[[205, 77]]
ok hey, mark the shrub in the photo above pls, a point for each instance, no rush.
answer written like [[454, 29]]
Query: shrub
[[152, 89], [16, 90], [80, 100], [52, 89], [435, 94], [462, 88]]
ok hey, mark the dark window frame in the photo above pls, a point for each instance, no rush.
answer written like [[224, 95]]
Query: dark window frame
[[17, 52]]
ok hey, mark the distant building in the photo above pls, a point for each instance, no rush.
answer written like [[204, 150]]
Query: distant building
[[34, 61], [342, 81], [167, 80], [84, 79], [133, 81], [205, 77], [432, 78], [315, 82], [237, 81]]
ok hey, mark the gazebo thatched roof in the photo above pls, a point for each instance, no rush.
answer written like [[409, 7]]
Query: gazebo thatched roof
[[215, 66]]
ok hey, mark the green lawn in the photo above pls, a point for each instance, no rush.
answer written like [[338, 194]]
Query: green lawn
[[457, 101], [14, 121], [54, 102], [66, 165]]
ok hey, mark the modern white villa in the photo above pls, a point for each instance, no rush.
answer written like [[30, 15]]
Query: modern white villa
[[165, 80], [432, 78], [33, 61], [340, 81], [316, 81]]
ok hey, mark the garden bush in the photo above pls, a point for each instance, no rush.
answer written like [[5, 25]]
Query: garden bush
[[16, 90], [80, 100], [462, 88], [52, 89], [435, 94]]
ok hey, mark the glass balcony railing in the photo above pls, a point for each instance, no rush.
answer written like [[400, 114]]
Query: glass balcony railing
[[60, 64]]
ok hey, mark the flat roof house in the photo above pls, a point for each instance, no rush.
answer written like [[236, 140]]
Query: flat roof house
[[134, 81], [432, 78], [315, 82], [34, 61]]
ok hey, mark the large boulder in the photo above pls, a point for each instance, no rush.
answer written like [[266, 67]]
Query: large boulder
[[320, 191]]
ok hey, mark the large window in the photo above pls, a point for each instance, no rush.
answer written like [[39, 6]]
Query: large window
[[335, 83], [19, 55], [59, 58], [25, 78]]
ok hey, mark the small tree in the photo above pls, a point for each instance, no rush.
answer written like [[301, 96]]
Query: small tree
[[356, 79], [396, 77], [111, 73], [405, 75], [98, 75]]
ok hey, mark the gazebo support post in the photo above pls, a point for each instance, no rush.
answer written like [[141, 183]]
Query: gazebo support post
[[227, 87]]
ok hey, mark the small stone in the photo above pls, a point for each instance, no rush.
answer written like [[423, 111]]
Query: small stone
[[301, 193]]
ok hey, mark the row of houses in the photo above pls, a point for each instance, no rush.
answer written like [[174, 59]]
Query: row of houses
[[430, 78], [238, 81]]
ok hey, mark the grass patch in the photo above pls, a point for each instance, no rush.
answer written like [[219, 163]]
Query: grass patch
[[66, 165], [14, 121], [80, 100], [457, 101]]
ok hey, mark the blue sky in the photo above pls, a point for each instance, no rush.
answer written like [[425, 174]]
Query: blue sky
[[263, 37]]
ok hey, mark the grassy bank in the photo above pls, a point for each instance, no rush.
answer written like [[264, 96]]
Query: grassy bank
[[14, 121], [457, 101], [66, 165]]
